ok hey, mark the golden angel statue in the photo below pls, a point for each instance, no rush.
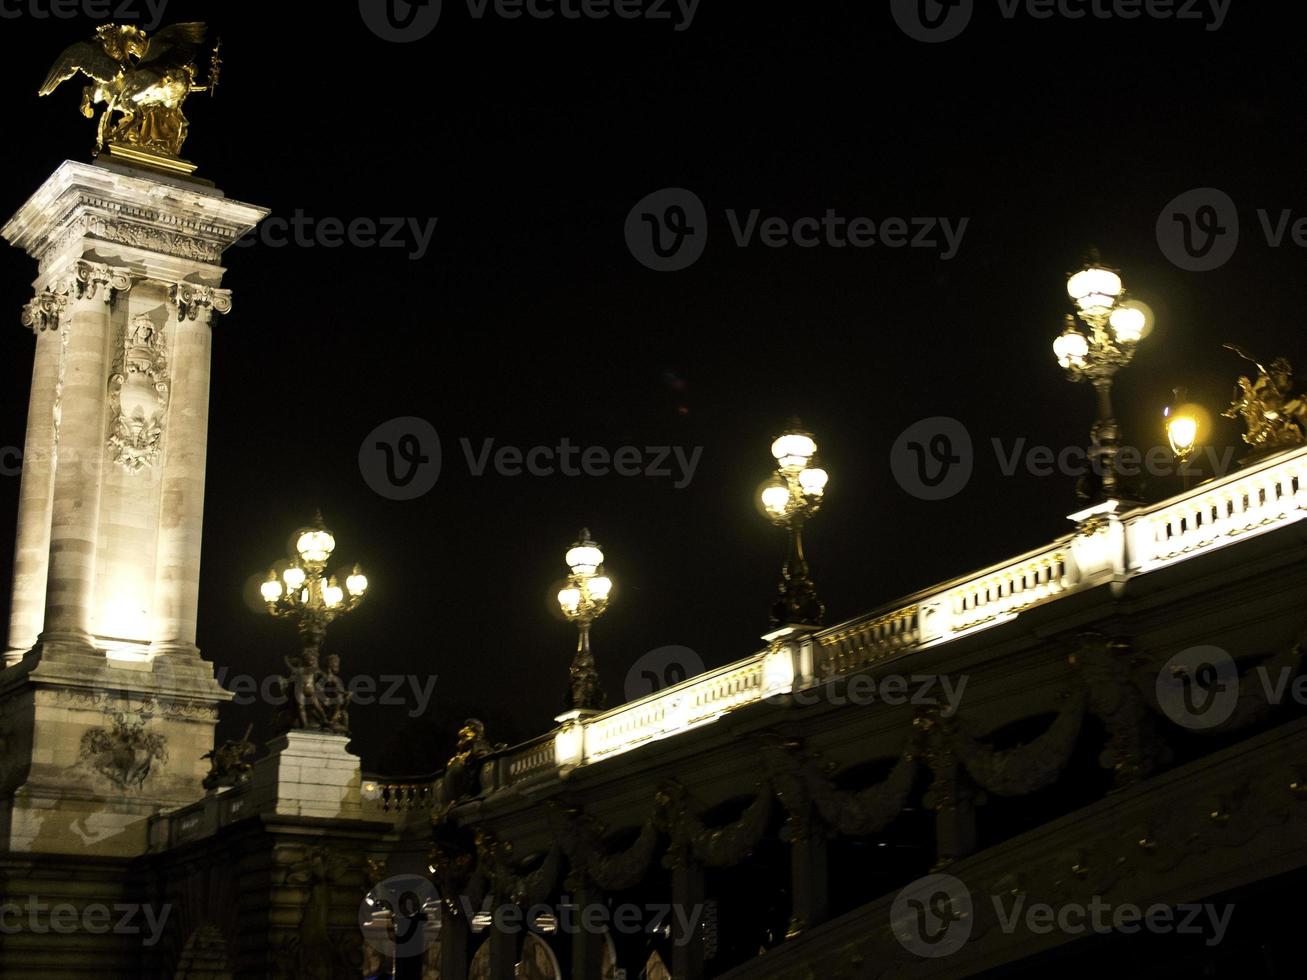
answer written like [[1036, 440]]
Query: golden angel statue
[[141, 79], [1274, 417]]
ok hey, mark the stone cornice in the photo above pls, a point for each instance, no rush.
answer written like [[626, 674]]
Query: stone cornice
[[84, 201]]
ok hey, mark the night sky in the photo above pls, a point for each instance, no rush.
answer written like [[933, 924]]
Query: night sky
[[528, 320]]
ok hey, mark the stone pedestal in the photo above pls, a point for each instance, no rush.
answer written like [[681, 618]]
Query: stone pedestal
[[308, 774], [106, 706]]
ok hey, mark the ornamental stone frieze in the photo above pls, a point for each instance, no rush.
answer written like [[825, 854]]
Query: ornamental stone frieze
[[192, 300]]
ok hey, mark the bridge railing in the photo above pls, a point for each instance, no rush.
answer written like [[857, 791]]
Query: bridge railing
[[1105, 546]]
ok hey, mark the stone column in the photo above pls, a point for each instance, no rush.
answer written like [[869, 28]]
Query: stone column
[[79, 455], [186, 434], [687, 903], [32, 544]]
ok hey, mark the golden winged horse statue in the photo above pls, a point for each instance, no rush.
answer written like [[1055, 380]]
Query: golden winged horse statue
[[141, 79]]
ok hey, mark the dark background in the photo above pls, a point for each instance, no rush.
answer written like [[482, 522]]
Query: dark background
[[529, 320]]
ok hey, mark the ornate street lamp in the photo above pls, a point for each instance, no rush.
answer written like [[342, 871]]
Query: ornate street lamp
[[305, 593], [1114, 328], [792, 496], [583, 601]]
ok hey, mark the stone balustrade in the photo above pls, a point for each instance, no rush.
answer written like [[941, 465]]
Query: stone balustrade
[[1258, 498]]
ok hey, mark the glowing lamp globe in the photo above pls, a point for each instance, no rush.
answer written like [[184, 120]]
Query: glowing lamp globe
[[1071, 348], [271, 589], [584, 557], [775, 499], [600, 586], [1095, 289], [315, 545], [1128, 324], [793, 450], [1182, 431], [294, 577], [356, 583], [814, 481]]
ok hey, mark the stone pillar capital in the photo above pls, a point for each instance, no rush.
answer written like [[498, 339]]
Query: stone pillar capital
[[95, 280], [192, 300], [46, 310]]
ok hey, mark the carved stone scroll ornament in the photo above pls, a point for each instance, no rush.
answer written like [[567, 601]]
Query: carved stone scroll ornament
[[692, 841], [125, 753], [496, 862], [1135, 748], [582, 839], [95, 280], [1025, 768], [193, 300], [45, 312], [138, 395]]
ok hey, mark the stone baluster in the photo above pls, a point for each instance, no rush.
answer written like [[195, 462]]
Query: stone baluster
[[181, 511], [79, 455]]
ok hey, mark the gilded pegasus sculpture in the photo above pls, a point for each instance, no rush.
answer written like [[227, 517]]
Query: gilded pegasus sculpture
[[140, 79]]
